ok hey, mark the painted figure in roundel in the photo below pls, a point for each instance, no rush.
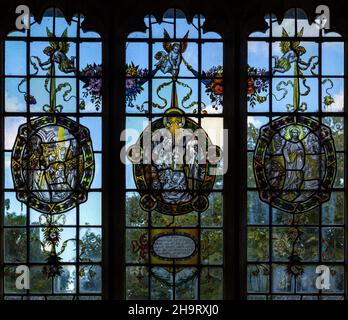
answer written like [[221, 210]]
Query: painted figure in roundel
[[52, 164], [295, 163]]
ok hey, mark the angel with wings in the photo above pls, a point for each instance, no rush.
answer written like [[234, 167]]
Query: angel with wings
[[169, 61], [292, 51], [57, 53]]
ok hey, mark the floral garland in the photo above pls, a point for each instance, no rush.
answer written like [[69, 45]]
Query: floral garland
[[214, 86], [91, 76], [259, 83], [136, 77], [212, 80], [93, 85], [257, 86]]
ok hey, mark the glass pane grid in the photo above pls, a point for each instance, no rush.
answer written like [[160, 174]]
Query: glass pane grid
[[271, 232], [150, 275], [79, 246]]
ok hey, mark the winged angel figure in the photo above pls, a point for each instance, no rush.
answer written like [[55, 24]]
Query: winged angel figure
[[292, 55], [169, 61], [292, 52], [57, 52]]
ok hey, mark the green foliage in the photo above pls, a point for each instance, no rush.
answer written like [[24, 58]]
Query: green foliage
[[17, 246], [253, 134], [136, 217], [258, 244], [211, 247], [333, 244], [211, 252], [91, 246]]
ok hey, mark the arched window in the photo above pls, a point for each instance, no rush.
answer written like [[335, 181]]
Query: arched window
[[174, 212], [296, 156], [52, 151], [122, 191]]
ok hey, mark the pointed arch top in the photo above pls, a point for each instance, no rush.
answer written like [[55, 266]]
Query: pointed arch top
[[174, 24], [295, 21], [59, 25]]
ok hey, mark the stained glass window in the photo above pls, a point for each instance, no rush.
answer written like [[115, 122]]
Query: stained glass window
[[52, 114], [174, 210], [295, 200]]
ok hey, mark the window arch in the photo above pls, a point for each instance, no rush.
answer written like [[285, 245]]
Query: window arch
[[162, 231], [174, 213], [52, 113], [296, 157]]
